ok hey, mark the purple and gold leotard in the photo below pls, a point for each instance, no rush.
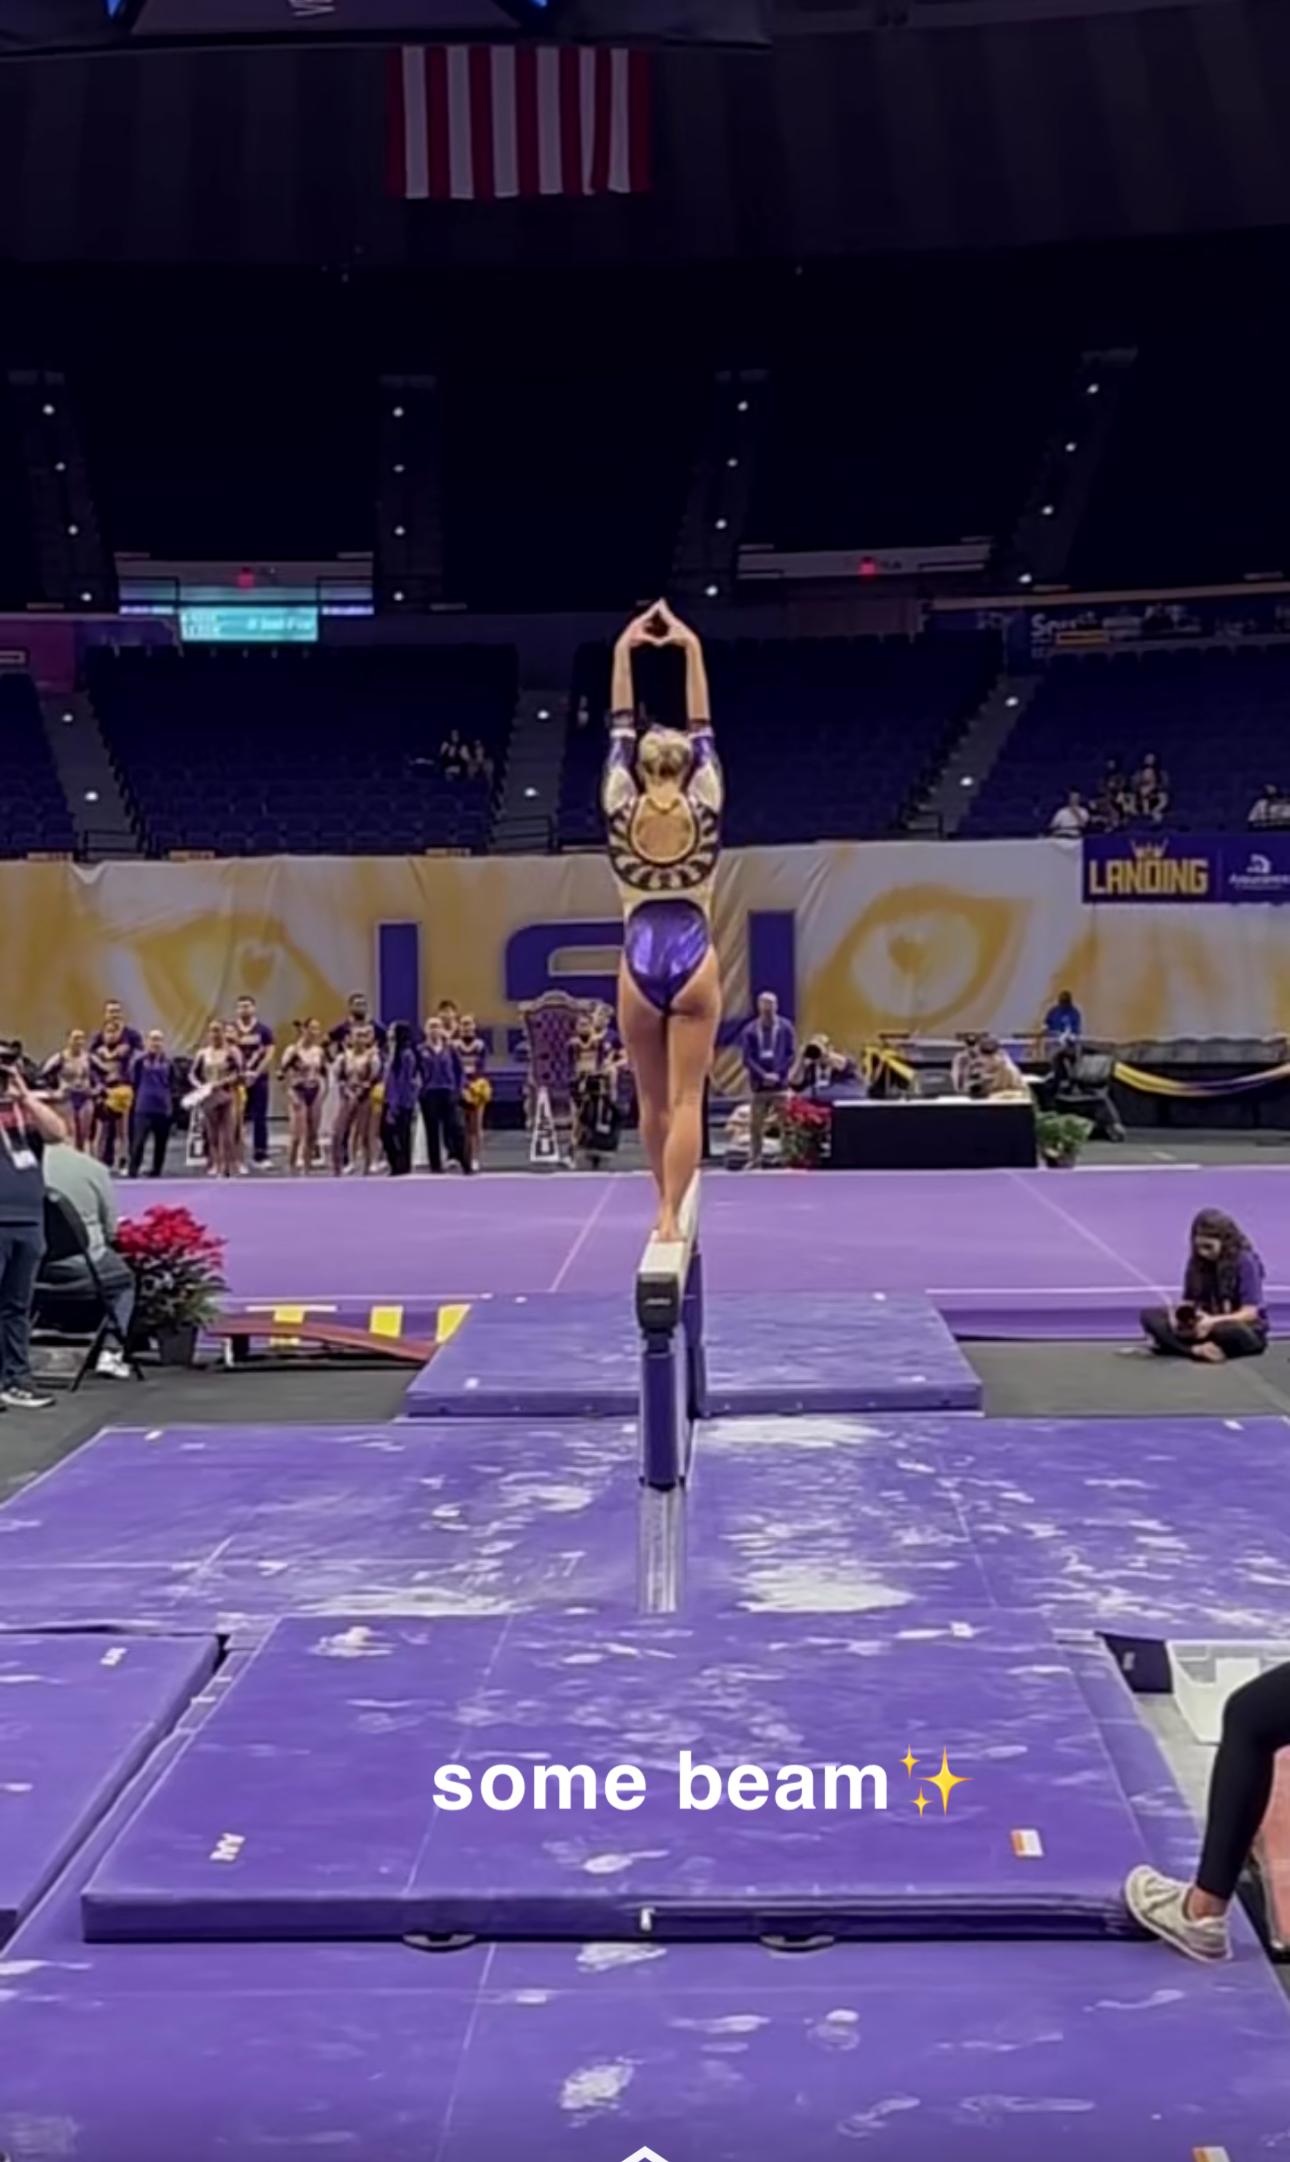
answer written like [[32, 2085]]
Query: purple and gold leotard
[[667, 901]]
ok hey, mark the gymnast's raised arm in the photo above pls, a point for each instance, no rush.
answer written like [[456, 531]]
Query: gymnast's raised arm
[[698, 703]]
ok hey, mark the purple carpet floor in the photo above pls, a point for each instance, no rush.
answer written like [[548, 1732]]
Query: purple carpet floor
[[1001, 1253]]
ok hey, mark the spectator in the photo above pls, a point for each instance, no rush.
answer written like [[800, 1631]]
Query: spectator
[[1271, 808], [996, 1073], [453, 755], [1151, 790], [821, 1068], [1065, 1018], [442, 1084], [86, 1186], [255, 1042], [1070, 819], [356, 1016], [26, 1127], [768, 1047], [153, 1079], [402, 1086]]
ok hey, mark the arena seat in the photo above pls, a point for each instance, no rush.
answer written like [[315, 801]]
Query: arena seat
[[299, 753], [1214, 715], [33, 809], [821, 738]]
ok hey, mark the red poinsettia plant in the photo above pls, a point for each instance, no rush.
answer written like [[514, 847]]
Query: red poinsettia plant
[[805, 1127], [179, 1265]]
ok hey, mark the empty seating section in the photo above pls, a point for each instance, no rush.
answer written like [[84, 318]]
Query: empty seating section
[[33, 809], [905, 446], [822, 739], [253, 752], [1197, 477], [565, 489], [1216, 717]]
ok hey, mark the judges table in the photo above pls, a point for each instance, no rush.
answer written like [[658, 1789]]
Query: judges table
[[937, 1133]]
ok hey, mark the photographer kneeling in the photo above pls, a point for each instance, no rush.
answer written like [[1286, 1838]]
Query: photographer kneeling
[[26, 1125]]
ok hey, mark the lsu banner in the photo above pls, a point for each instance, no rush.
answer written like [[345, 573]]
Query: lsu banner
[[1186, 867], [856, 938]]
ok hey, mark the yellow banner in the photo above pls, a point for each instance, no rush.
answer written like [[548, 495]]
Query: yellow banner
[[857, 939]]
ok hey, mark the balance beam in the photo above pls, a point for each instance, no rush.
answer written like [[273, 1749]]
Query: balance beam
[[669, 1313]]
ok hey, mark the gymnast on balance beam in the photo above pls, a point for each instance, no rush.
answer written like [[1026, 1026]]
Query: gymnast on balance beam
[[662, 801]]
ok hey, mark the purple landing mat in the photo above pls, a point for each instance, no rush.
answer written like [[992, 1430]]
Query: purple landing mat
[[78, 1716], [228, 1527], [999, 1252], [580, 1357], [517, 1357], [832, 1351], [717, 2053], [713, 2053], [302, 1805], [1156, 1528]]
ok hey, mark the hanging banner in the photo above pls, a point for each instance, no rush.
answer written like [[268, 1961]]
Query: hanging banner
[[1187, 867], [1164, 867]]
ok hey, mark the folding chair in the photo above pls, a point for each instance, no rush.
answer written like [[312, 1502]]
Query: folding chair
[[66, 1239]]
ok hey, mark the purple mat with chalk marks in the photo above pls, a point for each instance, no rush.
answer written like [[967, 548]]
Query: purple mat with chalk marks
[[78, 1715], [1155, 1528], [542, 1357], [303, 1804], [714, 2052], [832, 1351], [783, 1352], [231, 1527]]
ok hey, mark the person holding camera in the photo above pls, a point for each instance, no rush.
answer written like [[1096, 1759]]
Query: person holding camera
[[1221, 1314], [26, 1125]]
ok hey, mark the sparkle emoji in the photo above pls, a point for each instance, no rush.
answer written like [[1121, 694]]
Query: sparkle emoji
[[946, 1780]]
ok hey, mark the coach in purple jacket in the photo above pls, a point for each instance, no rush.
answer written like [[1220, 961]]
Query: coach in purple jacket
[[768, 1046]]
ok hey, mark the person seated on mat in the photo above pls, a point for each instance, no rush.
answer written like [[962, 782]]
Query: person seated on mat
[[1221, 1314], [86, 1186], [1193, 1917]]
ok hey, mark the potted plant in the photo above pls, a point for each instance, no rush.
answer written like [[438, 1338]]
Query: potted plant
[[1061, 1136], [178, 1264], [804, 1129]]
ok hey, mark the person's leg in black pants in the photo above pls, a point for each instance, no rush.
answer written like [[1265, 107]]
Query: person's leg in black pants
[[1238, 1340], [454, 1132], [1256, 1724], [432, 1104], [396, 1133], [257, 1118], [154, 1128], [1158, 1323], [21, 1248]]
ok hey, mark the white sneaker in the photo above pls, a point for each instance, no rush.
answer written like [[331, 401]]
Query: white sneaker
[[1159, 1904], [19, 1397], [113, 1365]]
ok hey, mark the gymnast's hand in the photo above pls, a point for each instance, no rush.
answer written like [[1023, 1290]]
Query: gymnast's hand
[[640, 631], [675, 632]]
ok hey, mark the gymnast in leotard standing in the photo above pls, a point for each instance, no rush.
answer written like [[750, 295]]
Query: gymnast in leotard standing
[[662, 802]]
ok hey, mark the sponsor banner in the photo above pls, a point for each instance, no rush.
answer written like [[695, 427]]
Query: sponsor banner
[[1256, 868], [1156, 867], [1186, 867]]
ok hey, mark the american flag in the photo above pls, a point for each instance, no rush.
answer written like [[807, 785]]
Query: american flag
[[483, 123]]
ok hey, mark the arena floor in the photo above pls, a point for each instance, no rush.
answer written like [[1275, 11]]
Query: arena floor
[[246, 1522]]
